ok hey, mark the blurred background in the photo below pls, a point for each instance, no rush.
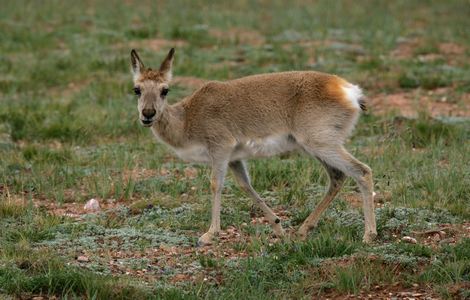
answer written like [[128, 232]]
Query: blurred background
[[69, 132]]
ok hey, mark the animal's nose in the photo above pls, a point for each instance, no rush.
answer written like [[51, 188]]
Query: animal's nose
[[149, 112]]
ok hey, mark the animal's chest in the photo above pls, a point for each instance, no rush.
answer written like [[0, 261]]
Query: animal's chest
[[261, 147]]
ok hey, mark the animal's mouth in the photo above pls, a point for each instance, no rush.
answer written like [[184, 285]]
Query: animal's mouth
[[146, 123]]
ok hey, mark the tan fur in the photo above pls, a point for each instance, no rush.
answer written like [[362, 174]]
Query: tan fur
[[335, 92], [262, 105], [223, 123], [152, 75]]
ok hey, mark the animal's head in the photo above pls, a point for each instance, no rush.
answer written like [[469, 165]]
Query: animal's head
[[151, 87]]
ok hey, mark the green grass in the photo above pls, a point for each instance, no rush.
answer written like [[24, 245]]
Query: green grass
[[69, 132]]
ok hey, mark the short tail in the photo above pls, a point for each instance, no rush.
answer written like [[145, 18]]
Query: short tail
[[362, 104], [354, 94]]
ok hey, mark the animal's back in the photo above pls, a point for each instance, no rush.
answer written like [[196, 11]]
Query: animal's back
[[260, 105]]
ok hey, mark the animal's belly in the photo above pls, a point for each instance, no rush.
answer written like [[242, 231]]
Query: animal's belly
[[264, 147]]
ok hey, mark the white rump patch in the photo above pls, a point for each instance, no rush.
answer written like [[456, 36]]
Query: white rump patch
[[353, 94]]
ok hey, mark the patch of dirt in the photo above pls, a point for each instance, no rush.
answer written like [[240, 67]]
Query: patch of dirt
[[12, 200], [355, 199], [240, 35], [73, 210], [71, 89], [410, 103], [189, 82], [445, 234], [384, 103], [228, 63], [456, 289], [28, 296], [406, 48], [152, 44], [177, 263], [388, 292], [451, 49], [137, 174]]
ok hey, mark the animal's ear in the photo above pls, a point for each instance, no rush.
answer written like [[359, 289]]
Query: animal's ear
[[136, 64], [167, 64]]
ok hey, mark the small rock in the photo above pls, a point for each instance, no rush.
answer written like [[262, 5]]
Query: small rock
[[38, 298], [447, 241], [83, 258], [164, 172], [409, 239], [342, 47], [436, 237], [180, 277], [190, 172], [92, 205]]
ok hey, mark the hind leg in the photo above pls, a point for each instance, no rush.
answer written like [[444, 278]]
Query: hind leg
[[340, 159], [239, 170], [337, 178]]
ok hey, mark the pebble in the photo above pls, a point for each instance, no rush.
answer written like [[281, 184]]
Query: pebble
[[83, 258], [190, 172], [409, 239], [92, 205]]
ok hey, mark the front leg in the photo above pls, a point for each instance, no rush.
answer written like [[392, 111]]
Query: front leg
[[219, 170]]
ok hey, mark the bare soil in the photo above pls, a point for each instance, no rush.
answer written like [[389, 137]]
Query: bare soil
[[411, 103], [189, 82], [241, 35], [156, 44]]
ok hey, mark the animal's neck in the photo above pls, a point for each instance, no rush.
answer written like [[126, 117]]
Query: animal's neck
[[170, 126]]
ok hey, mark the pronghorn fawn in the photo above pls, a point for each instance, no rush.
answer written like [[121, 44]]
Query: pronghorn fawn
[[225, 123]]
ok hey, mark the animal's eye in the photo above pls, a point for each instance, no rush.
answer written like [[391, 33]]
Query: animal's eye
[[164, 92], [137, 91]]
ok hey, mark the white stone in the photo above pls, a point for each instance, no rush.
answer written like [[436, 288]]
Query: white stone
[[83, 258], [92, 205], [409, 239]]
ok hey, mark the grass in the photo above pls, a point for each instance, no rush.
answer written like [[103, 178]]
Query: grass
[[69, 133]]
